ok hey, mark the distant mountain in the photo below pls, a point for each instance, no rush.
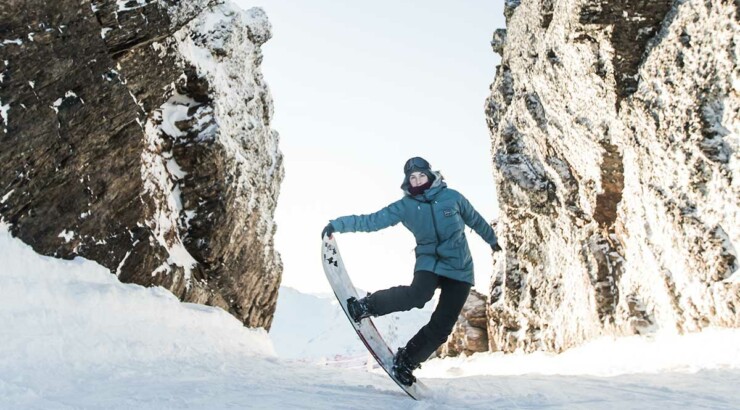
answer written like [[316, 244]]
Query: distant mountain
[[313, 327]]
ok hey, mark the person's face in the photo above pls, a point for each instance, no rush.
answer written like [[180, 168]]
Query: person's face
[[418, 179]]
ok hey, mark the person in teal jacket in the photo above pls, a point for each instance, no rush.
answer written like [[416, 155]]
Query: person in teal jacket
[[437, 216]]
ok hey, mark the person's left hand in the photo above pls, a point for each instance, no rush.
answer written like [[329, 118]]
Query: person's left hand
[[328, 231], [495, 247]]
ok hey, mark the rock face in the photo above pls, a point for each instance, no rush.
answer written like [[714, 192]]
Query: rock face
[[137, 134], [470, 334], [615, 130]]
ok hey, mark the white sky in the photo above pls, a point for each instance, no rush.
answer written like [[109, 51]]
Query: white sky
[[360, 87]]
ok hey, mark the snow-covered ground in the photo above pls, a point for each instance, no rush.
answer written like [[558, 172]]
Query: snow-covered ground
[[72, 336], [313, 328]]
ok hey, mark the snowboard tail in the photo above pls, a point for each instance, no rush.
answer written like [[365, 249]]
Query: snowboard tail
[[343, 289]]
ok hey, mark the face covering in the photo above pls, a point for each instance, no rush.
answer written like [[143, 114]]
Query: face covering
[[420, 189]]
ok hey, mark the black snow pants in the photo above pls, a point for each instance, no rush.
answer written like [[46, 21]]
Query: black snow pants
[[453, 295]]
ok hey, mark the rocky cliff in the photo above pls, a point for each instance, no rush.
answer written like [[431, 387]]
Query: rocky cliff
[[137, 134], [615, 135]]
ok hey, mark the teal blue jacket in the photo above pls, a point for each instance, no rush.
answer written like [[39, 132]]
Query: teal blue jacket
[[437, 218]]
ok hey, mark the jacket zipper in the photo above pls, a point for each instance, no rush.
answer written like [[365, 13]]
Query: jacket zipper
[[436, 233]]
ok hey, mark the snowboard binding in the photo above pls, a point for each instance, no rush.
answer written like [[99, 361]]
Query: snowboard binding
[[403, 367], [359, 309]]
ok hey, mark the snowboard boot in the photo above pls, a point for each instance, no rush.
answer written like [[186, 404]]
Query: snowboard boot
[[403, 367], [359, 309]]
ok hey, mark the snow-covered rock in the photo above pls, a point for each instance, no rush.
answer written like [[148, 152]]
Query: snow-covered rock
[[615, 137], [137, 134]]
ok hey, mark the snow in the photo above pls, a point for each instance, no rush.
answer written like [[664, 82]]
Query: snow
[[136, 101], [125, 5], [70, 94], [4, 113], [59, 101], [314, 328], [734, 278], [75, 337], [161, 175], [174, 110], [123, 261], [714, 348], [16, 41], [183, 11], [174, 169], [55, 105], [6, 196], [67, 235]]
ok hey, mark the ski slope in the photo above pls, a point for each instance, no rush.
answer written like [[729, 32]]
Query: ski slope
[[74, 337]]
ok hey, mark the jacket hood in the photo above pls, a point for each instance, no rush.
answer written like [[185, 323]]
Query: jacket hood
[[437, 185]]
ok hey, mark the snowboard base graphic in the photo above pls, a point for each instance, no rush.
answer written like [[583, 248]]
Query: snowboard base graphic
[[366, 330]]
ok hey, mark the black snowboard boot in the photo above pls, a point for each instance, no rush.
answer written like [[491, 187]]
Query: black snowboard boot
[[359, 309], [403, 367]]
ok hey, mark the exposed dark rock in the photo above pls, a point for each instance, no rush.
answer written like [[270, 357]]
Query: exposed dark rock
[[498, 41], [713, 143], [113, 148], [612, 184], [470, 334], [632, 23], [534, 106], [498, 101], [509, 7], [547, 7]]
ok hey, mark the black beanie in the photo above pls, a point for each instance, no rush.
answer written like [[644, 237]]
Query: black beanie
[[418, 164]]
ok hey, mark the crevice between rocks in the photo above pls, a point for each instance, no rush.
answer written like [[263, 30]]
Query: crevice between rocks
[[635, 23], [604, 252], [612, 185]]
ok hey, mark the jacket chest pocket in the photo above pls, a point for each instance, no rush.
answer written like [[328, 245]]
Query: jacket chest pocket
[[451, 221]]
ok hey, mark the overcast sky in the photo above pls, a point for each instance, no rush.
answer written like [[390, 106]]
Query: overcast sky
[[360, 87]]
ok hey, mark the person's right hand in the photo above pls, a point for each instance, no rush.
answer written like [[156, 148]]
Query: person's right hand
[[495, 247], [328, 231]]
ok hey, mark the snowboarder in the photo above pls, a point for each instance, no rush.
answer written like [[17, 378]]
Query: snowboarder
[[437, 216]]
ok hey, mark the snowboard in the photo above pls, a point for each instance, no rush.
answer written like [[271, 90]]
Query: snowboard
[[343, 289]]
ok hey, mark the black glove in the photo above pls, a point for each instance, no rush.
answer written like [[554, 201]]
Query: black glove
[[495, 247], [328, 231]]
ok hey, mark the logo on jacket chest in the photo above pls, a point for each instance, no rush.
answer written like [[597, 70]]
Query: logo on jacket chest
[[448, 212]]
